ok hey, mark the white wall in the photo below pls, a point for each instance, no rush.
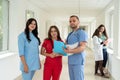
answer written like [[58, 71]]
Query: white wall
[[100, 18], [115, 65], [9, 66]]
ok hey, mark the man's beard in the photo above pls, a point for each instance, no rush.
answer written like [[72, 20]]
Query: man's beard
[[74, 27]]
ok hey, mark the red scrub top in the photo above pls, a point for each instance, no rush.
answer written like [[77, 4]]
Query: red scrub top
[[48, 45]]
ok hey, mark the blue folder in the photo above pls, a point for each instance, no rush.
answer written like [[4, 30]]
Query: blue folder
[[58, 47]]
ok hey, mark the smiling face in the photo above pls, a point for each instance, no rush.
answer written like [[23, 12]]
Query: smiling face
[[74, 22], [102, 29], [54, 33], [32, 26]]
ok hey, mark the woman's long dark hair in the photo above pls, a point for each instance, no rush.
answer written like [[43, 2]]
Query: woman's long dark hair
[[35, 31], [96, 33], [49, 33], [104, 32]]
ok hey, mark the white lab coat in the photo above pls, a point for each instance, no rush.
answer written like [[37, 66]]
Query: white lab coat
[[98, 48]]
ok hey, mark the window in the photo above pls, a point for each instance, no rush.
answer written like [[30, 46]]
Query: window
[[111, 16], [4, 20], [109, 25]]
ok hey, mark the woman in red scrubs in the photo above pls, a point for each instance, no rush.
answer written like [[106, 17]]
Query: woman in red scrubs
[[53, 61]]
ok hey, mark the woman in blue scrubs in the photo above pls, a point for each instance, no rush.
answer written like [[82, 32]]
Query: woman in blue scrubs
[[28, 44]]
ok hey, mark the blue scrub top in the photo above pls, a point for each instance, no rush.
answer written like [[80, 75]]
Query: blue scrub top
[[30, 50], [77, 36]]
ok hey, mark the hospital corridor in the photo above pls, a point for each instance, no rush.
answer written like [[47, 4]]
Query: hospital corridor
[[89, 68], [85, 34]]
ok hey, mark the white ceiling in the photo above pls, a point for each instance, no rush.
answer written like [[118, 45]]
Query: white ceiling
[[83, 8]]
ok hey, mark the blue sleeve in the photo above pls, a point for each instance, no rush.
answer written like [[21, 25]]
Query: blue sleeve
[[82, 36], [21, 44], [68, 36]]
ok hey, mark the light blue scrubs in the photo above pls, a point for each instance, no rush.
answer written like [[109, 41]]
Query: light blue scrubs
[[30, 50], [76, 61]]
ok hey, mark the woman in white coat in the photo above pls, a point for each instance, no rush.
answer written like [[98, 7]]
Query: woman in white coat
[[98, 46]]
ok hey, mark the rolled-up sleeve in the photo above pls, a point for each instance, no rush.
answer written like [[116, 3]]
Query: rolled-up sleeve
[[44, 44], [82, 36], [21, 45]]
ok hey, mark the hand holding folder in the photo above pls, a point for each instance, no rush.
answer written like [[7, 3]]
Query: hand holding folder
[[58, 47]]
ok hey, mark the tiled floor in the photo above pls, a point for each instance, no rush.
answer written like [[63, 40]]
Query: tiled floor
[[89, 69]]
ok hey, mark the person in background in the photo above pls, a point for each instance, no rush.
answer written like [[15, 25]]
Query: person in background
[[98, 51], [104, 38], [53, 61], [77, 59], [28, 45]]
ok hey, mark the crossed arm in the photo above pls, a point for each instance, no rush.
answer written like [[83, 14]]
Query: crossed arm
[[82, 46]]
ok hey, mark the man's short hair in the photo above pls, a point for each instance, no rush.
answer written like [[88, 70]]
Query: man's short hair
[[74, 16]]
